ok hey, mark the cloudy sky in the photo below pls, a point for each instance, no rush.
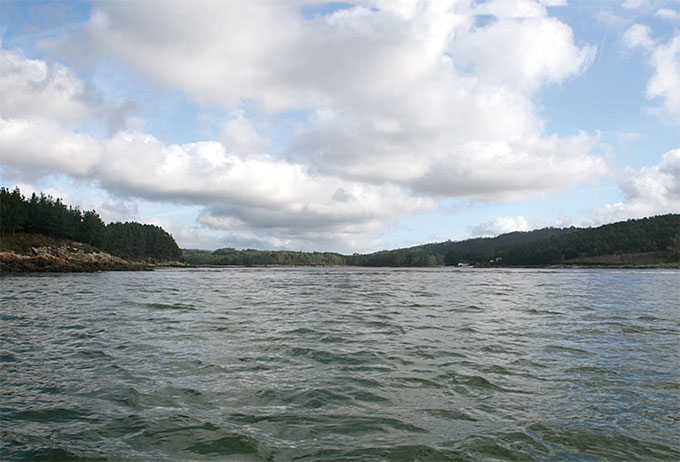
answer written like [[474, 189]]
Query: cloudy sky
[[348, 127]]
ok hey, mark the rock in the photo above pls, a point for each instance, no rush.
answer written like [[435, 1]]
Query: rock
[[65, 259]]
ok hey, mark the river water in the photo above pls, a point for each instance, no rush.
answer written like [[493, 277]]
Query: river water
[[341, 364]]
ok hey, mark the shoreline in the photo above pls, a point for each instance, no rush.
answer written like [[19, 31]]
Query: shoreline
[[14, 263], [675, 266]]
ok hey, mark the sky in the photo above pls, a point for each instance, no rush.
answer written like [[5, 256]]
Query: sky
[[349, 127]]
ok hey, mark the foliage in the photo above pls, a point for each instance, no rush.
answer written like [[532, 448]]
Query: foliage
[[411, 257], [136, 241], [44, 215], [548, 246], [658, 238], [22, 243], [655, 234], [251, 257]]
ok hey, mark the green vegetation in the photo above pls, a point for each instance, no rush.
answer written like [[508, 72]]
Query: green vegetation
[[22, 243], [46, 216], [659, 236], [656, 234], [646, 242], [251, 257]]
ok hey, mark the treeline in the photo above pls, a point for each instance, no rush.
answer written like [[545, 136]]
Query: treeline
[[42, 214], [655, 234], [411, 257], [251, 257], [473, 251], [548, 246]]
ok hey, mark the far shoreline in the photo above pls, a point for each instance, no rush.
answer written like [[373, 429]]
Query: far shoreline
[[143, 267]]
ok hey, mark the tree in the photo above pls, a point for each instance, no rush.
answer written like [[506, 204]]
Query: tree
[[92, 229], [13, 211], [45, 215]]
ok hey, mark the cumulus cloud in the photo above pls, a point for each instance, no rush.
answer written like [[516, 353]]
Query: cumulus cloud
[[32, 87], [239, 136], [648, 191], [638, 35], [257, 191], [500, 225], [39, 146], [668, 13], [665, 83], [664, 58], [537, 49], [404, 103]]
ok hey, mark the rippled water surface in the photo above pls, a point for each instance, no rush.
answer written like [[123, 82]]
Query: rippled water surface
[[341, 364]]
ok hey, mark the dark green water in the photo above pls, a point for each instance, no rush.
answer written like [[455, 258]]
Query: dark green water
[[341, 364]]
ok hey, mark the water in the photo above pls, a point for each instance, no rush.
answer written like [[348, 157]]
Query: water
[[341, 364]]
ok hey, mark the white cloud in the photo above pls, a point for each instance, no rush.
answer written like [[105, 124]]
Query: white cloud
[[505, 172], [511, 9], [554, 2], [665, 60], [40, 146], [408, 102], [500, 225], [535, 50], [193, 236], [250, 192], [665, 83], [239, 136], [667, 13], [32, 87], [638, 35], [116, 210], [649, 191], [634, 4]]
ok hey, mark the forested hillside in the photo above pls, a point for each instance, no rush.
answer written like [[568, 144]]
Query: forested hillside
[[548, 246], [41, 214], [656, 234], [475, 250], [658, 238]]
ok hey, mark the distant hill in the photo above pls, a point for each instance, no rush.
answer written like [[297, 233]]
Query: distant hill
[[660, 234], [252, 257], [551, 246], [644, 242]]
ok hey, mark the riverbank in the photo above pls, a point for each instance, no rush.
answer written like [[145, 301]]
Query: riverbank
[[37, 253], [65, 260], [34, 253]]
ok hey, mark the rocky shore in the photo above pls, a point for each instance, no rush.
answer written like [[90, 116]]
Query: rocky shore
[[65, 258]]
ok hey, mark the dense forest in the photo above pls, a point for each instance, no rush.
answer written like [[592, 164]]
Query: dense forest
[[41, 214], [548, 246]]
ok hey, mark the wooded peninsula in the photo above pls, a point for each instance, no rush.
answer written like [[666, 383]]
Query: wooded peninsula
[[43, 233]]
